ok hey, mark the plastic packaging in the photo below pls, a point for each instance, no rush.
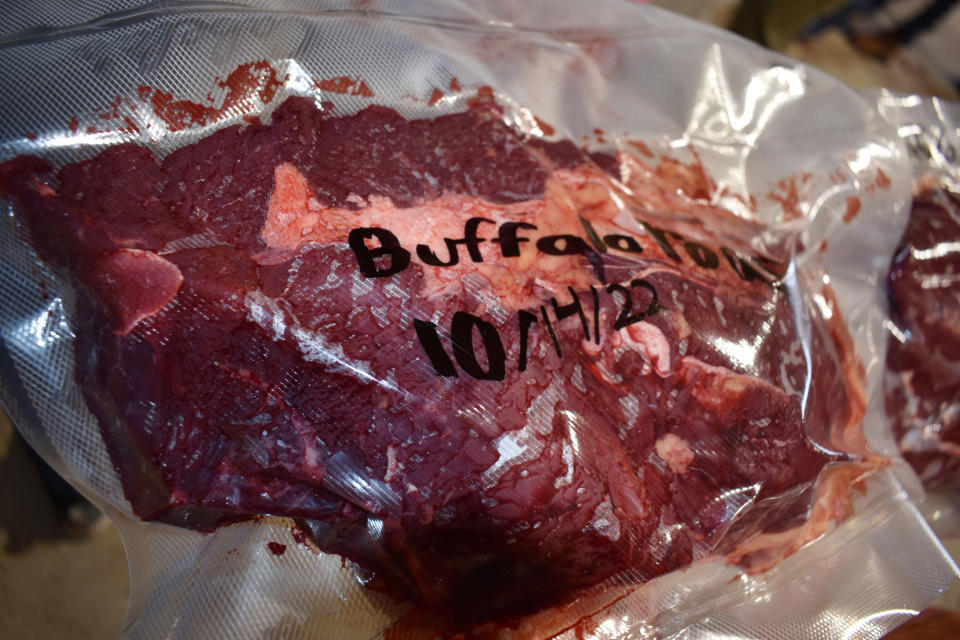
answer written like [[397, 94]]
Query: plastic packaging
[[923, 379], [521, 311]]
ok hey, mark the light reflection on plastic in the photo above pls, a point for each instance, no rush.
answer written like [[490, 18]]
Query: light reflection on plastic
[[509, 448], [478, 412], [866, 157], [911, 100], [755, 589], [825, 309], [297, 80], [941, 250], [617, 200], [518, 116], [612, 628], [763, 97], [939, 282], [345, 480], [574, 420], [97, 139], [868, 626], [938, 108], [908, 130], [744, 352], [268, 314], [772, 89], [711, 84], [375, 528], [802, 324], [932, 430], [828, 195], [902, 336], [739, 498], [46, 327], [668, 531]]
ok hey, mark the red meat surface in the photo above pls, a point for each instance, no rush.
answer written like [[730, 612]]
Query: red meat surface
[[241, 362]]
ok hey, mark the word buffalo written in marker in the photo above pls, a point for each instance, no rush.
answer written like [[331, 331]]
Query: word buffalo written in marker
[[373, 263]]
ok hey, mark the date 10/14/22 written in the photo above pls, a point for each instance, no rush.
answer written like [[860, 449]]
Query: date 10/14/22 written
[[463, 324]]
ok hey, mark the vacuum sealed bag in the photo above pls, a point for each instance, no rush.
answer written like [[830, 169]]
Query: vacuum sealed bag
[[923, 358], [459, 320]]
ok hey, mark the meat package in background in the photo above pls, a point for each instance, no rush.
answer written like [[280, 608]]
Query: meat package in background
[[923, 357], [922, 381], [493, 370]]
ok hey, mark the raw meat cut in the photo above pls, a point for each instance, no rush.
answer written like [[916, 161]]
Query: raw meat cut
[[923, 357], [493, 369]]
